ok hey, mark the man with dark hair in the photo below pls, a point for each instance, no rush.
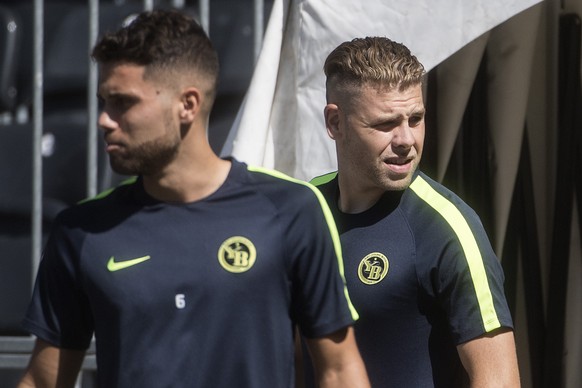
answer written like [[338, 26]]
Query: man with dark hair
[[194, 273], [418, 263]]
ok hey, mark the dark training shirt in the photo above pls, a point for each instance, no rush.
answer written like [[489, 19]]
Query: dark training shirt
[[204, 294], [424, 278]]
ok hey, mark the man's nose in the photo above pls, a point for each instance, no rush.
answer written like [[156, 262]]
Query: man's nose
[[402, 135], [105, 122]]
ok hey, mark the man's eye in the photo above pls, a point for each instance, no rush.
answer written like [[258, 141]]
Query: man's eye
[[119, 103], [415, 120], [387, 126]]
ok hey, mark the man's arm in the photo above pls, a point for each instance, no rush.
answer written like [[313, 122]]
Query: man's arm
[[490, 360], [337, 361], [52, 367]]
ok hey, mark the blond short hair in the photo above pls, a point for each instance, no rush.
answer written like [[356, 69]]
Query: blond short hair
[[373, 62]]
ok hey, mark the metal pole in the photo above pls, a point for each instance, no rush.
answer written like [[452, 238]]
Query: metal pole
[[92, 102], [36, 217], [178, 4], [148, 5], [204, 10], [258, 27]]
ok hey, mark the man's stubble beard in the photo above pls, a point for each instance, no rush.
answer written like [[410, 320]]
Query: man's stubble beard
[[151, 156]]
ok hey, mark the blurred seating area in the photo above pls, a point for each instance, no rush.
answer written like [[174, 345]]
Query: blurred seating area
[[66, 48]]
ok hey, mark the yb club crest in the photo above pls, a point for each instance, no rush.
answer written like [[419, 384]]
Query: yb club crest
[[237, 254], [373, 268]]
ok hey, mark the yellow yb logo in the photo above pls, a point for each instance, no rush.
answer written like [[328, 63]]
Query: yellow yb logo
[[373, 268], [237, 254]]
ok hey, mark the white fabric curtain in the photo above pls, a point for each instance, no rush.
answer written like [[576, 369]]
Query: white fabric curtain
[[281, 121]]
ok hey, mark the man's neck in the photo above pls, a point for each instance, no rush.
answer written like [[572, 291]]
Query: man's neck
[[184, 185], [354, 199]]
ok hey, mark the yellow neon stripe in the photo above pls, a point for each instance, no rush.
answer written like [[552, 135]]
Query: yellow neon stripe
[[322, 179], [328, 218], [474, 259], [106, 192]]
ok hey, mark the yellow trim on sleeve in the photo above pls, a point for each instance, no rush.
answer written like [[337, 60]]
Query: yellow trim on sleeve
[[108, 191], [330, 222], [474, 259]]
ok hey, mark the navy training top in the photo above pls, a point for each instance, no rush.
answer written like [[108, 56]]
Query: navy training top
[[204, 294], [424, 278]]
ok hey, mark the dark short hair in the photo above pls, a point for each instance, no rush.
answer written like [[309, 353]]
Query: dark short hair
[[374, 61], [159, 40]]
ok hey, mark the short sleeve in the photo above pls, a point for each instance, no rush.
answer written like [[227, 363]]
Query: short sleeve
[[468, 279], [59, 312], [457, 264], [321, 301]]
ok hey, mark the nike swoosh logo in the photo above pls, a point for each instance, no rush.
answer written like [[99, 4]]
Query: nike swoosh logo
[[113, 265]]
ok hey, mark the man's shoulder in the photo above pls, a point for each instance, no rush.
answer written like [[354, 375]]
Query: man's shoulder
[[282, 191], [431, 191], [428, 200], [271, 180], [107, 202]]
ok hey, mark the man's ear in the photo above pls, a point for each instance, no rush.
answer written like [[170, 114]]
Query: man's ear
[[331, 114], [190, 103]]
